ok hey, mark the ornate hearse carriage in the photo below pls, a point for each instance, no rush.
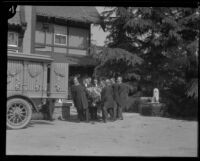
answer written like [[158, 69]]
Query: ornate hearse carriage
[[32, 81]]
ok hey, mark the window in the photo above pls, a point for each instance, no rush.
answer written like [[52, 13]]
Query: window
[[13, 39], [43, 33], [39, 33], [78, 38], [60, 39], [60, 35]]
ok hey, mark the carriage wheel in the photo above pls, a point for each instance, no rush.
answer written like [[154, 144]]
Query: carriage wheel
[[19, 113]]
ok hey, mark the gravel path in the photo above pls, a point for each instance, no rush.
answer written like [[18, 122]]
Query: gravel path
[[134, 136]]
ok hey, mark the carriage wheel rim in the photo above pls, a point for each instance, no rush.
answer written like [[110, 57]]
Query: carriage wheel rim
[[17, 114]]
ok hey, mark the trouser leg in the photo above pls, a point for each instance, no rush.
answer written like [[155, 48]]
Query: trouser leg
[[102, 112], [51, 110], [86, 111], [117, 112], [79, 114], [105, 114], [114, 113], [90, 112], [110, 112], [95, 113], [120, 113]]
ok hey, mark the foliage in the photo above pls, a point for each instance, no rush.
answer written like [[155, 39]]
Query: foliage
[[166, 39], [192, 90], [118, 61]]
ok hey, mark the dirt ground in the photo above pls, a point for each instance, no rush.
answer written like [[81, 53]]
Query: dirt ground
[[136, 135]]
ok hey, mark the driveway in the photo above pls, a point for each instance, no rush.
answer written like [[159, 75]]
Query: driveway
[[136, 135]]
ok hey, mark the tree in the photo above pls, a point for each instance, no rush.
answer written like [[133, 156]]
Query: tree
[[165, 38], [113, 62]]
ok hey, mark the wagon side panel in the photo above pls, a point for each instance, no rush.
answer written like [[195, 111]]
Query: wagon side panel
[[35, 80], [14, 77], [59, 80]]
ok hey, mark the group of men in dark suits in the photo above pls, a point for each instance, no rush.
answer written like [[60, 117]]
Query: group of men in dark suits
[[113, 99]]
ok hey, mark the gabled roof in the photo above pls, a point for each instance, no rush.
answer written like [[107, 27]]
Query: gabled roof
[[77, 13]]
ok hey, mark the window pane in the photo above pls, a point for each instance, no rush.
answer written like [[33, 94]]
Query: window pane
[[39, 37], [60, 29], [40, 33], [78, 37], [13, 38], [59, 39], [48, 38]]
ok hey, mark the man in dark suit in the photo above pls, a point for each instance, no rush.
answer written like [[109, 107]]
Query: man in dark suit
[[115, 95], [108, 103], [122, 95], [80, 100]]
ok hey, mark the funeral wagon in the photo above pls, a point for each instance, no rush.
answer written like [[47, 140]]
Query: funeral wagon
[[32, 81]]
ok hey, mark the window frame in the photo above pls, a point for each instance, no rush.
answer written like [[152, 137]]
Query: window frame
[[86, 41], [59, 44], [12, 45]]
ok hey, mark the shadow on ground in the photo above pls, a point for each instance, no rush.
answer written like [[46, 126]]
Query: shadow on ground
[[168, 116], [39, 122], [73, 118]]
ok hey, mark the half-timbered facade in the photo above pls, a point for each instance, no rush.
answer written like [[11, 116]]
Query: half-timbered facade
[[61, 32], [46, 45]]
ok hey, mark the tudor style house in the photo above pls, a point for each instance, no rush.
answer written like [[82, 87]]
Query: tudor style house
[[61, 32]]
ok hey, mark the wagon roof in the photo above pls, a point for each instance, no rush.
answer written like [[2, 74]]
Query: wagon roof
[[85, 14]]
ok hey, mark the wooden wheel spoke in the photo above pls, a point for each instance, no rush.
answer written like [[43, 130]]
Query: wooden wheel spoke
[[22, 116], [10, 114], [23, 112], [15, 119], [19, 118], [11, 117]]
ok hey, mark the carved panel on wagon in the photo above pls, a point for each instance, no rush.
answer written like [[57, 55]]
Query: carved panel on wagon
[[34, 82], [15, 76], [59, 80]]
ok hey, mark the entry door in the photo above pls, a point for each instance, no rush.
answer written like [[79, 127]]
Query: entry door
[[59, 80]]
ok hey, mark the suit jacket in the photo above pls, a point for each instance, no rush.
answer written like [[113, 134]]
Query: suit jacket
[[123, 91], [79, 97], [115, 87], [107, 97]]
